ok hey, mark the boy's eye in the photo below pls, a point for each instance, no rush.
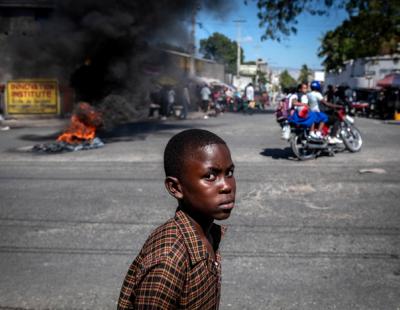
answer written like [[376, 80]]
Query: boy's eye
[[211, 177], [230, 173]]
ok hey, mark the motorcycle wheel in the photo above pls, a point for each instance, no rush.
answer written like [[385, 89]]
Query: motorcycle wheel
[[299, 150], [351, 137]]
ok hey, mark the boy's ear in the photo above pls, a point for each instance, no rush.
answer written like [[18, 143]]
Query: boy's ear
[[174, 187]]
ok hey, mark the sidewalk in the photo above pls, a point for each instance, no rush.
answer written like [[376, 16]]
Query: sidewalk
[[392, 122]]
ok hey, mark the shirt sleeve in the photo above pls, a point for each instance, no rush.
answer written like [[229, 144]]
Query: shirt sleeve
[[159, 287]]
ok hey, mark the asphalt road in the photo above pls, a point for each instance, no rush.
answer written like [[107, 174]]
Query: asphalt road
[[304, 235]]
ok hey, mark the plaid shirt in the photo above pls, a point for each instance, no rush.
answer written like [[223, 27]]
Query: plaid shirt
[[173, 270]]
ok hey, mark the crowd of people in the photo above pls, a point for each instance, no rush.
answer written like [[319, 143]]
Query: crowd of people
[[381, 103], [211, 100]]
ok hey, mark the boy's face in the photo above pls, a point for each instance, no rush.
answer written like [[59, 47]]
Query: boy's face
[[208, 183]]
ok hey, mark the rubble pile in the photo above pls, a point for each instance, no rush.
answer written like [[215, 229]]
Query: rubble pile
[[117, 109]]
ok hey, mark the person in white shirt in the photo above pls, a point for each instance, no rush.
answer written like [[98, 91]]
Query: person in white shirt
[[205, 94], [249, 93], [316, 101]]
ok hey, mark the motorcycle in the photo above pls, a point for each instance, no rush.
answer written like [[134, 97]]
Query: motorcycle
[[305, 147]]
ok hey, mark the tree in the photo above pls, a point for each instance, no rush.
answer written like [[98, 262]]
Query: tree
[[305, 74], [372, 27], [221, 49], [261, 77], [370, 33], [280, 17], [286, 80]]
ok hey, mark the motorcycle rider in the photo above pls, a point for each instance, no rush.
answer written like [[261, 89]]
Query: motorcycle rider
[[299, 100], [317, 103], [299, 111], [300, 104]]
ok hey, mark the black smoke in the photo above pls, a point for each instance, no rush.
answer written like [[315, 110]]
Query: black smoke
[[117, 35]]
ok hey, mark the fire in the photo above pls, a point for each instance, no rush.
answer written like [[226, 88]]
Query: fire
[[84, 123]]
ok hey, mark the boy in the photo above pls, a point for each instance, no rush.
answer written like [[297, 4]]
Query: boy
[[179, 265]]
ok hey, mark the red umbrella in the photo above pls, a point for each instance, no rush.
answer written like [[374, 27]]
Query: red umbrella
[[391, 80]]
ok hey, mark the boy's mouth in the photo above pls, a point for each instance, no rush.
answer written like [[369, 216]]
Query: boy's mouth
[[227, 205]]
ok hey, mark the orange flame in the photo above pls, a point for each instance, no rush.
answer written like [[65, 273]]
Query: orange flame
[[84, 123]]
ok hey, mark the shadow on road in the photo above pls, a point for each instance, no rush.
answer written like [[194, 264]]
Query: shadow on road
[[285, 153], [257, 111], [138, 130], [41, 138], [124, 132]]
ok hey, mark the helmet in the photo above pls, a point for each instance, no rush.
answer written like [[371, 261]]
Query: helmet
[[315, 85]]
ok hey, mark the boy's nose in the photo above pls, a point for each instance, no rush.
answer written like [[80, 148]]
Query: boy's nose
[[227, 185]]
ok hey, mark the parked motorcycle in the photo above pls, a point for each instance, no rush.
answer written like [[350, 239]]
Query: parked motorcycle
[[305, 147]]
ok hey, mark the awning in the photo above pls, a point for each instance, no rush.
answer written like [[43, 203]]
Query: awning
[[391, 80]]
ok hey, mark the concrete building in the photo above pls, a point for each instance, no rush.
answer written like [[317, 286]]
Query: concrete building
[[365, 72], [20, 18], [203, 67], [249, 73], [318, 75]]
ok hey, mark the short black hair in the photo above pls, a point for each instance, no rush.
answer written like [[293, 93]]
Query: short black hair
[[301, 84], [184, 144]]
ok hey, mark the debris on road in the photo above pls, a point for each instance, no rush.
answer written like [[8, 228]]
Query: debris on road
[[80, 134], [373, 170], [60, 146]]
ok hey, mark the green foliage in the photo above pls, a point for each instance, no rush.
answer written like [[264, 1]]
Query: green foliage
[[370, 33], [372, 27], [261, 77], [279, 17], [286, 80], [220, 48], [305, 74]]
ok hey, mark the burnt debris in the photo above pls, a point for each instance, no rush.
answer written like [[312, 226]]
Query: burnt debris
[[60, 146]]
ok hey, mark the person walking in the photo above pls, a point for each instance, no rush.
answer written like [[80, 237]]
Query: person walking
[[205, 94], [251, 104]]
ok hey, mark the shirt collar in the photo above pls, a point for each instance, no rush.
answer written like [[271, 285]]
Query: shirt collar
[[197, 250]]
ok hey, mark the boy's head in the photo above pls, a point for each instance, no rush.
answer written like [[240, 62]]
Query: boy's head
[[302, 88], [183, 146], [199, 173]]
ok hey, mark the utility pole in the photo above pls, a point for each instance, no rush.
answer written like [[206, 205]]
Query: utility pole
[[192, 47], [238, 61]]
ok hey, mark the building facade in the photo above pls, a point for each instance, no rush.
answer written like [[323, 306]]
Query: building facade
[[19, 18], [366, 72]]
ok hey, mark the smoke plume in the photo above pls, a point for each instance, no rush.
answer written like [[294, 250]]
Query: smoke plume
[[117, 35]]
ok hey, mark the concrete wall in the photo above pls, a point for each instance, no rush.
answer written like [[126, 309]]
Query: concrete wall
[[364, 73], [203, 67], [18, 19]]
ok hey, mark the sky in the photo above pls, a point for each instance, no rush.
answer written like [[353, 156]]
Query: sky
[[291, 53]]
